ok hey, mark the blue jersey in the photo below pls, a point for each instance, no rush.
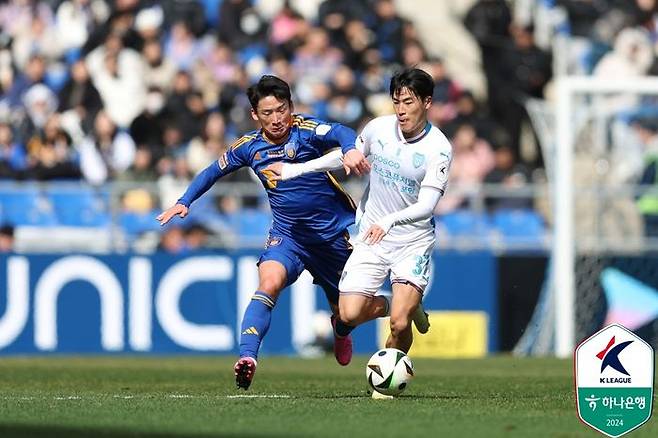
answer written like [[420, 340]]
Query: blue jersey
[[312, 208]]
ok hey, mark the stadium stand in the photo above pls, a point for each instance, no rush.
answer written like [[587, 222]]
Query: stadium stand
[[99, 92]]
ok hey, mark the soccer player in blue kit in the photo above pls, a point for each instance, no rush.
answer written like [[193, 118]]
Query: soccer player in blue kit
[[310, 214]]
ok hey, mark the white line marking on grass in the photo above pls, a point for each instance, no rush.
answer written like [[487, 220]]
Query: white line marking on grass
[[129, 397]]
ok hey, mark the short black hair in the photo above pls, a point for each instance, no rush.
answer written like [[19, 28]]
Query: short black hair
[[268, 85], [417, 81]]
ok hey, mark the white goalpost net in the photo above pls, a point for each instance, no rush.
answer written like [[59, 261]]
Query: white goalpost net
[[594, 152]]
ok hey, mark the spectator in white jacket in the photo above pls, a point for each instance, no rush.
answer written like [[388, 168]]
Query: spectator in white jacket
[[107, 152], [118, 74], [631, 57]]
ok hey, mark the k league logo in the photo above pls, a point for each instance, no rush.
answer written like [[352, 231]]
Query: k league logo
[[610, 358], [614, 380]]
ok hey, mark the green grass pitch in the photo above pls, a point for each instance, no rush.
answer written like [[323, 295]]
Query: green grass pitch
[[290, 397]]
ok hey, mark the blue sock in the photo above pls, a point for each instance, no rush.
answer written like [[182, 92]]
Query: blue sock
[[343, 329], [255, 323]]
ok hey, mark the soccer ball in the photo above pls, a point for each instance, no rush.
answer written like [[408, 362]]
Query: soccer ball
[[389, 371]]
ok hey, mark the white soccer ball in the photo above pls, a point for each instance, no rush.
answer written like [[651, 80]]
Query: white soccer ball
[[389, 371]]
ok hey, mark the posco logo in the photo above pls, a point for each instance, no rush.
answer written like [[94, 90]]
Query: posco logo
[[392, 163]]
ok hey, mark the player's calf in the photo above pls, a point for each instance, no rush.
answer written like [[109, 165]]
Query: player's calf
[[401, 336]]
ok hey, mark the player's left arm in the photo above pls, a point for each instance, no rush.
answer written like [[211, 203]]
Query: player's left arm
[[329, 136], [431, 190], [231, 160]]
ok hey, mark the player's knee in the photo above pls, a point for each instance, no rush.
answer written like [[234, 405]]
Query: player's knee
[[399, 324], [271, 278], [271, 287], [350, 315]]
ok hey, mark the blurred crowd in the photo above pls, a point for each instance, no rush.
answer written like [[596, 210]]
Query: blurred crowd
[[618, 40], [133, 90], [152, 91]]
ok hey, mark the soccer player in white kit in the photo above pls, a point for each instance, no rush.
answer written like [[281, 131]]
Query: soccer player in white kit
[[409, 160]]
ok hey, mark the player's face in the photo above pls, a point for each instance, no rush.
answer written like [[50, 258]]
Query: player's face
[[411, 112], [274, 116]]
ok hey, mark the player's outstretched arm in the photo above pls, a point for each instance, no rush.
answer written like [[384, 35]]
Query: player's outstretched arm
[[199, 185], [177, 210], [422, 209]]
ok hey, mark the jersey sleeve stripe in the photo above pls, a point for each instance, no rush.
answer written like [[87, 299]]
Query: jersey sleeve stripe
[[299, 120], [311, 125], [341, 191], [242, 140]]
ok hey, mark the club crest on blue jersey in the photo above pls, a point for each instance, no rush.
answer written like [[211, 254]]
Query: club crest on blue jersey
[[290, 150], [273, 241], [418, 159]]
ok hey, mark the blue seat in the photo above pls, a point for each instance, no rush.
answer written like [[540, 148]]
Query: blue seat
[[519, 226], [249, 52], [211, 10], [27, 207], [79, 207], [466, 224], [135, 224]]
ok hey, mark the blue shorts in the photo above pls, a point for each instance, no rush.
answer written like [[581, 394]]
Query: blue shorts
[[325, 261]]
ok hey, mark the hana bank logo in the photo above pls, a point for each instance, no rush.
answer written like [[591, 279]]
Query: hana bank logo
[[614, 383], [609, 357]]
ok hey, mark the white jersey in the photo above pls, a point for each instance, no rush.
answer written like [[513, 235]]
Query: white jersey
[[400, 167]]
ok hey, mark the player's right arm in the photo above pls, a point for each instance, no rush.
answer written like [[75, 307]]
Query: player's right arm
[[231, 160]]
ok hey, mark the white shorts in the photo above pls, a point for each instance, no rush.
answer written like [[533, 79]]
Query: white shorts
[[368, 265]]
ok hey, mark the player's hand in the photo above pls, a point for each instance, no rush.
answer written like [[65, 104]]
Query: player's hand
[[374, 235], [355, 161], [275, 171], [177, 210]]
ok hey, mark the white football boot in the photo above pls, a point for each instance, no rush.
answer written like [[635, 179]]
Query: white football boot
[[379, 396], [421, 319]]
